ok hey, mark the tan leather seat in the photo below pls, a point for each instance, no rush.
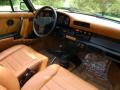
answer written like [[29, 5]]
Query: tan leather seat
[[52, 78], [8, 80], [57, 78], [18, 58]]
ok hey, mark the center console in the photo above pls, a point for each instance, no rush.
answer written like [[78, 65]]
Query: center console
[[80, 37], [72, 34]]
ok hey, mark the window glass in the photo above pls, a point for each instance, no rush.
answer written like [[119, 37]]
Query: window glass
[[5, 5], [19, 5], [102, 8]]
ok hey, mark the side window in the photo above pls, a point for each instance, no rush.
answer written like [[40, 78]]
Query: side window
[[5, 5], [19, 5]]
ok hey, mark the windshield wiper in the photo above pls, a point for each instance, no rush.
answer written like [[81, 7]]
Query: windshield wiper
[[98, 15], [73, 10], [67, 9]]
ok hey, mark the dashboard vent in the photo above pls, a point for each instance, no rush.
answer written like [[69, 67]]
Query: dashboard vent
[[82, 24]]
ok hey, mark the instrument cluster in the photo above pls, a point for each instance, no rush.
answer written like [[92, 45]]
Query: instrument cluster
[[63, 19]]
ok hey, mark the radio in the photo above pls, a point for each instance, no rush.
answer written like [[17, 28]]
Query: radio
[[78, 35]]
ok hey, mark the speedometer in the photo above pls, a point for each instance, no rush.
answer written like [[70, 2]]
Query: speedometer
[[63, 19], [67, 20]]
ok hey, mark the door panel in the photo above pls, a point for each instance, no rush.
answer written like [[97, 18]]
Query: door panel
[[12, 23], [16, 14], [9, 22], [8, 25]]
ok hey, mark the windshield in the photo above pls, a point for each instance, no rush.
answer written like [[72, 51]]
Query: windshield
[[104, 8]]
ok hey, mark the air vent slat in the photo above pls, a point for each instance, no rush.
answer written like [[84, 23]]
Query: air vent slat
[[82, 24]]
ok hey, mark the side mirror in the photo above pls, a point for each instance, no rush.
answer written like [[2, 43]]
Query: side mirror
[[23, 6]]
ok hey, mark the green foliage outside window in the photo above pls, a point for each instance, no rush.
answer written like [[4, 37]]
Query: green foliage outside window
[[54, 3], [107, 8], [104, 7], [4, 2]]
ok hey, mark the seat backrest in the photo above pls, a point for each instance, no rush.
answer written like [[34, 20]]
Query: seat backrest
[[8, 81]]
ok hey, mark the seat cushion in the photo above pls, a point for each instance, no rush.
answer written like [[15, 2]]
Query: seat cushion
[[57, 78], [8, 81], [21, 57], [2, 88]]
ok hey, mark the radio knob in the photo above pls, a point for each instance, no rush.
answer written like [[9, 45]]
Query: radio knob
[[85, 33], [89, 34]]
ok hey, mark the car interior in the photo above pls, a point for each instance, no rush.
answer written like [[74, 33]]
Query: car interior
[[55, 49]]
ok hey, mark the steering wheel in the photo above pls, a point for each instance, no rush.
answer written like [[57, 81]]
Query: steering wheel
[[44, 25]]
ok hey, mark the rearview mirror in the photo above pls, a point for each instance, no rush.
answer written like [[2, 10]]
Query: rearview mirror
[[23, 6]]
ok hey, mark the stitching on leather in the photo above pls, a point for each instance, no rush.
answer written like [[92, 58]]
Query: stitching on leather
[[10, 66], [49, 78], [59, 85], [11, 53]]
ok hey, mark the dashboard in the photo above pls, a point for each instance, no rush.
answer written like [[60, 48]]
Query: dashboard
[[90, 31], [109, 46], [81, 32], [87, 23]]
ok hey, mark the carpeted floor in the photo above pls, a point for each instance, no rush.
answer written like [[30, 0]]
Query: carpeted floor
[[99, 83]]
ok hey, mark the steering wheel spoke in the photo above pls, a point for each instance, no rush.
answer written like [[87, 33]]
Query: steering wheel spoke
[[41, 29]]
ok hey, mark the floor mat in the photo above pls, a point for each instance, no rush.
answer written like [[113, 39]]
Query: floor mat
[[94, 69]]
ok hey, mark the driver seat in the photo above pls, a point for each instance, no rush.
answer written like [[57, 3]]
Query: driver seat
[[53, 77], [20, 57]]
